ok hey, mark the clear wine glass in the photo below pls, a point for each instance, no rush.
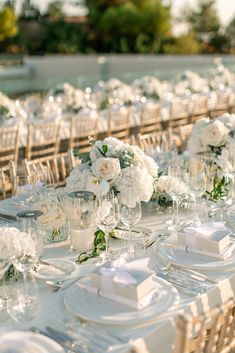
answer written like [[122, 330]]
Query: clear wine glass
[[196, 188], [130, 216], [176, 193], [24, 189], [108, 218]]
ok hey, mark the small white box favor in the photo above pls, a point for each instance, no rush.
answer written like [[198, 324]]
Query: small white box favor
[[209, 238], [131, 283]]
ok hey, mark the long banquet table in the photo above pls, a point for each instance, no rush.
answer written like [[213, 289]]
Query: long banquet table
[[157, 336]]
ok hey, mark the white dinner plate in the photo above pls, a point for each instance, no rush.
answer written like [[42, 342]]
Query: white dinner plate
[[138, 233], [63, 269], [27, 342], [169, 252], [92, 307]]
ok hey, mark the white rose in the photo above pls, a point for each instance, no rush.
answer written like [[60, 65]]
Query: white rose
[[106, 168], [151, 166], [215, 133]]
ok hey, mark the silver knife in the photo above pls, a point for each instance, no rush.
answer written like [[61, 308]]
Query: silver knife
[[68, 345], [63, 338], [179, 285]]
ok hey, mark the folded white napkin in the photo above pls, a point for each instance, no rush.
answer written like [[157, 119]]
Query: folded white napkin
[[206, 229]]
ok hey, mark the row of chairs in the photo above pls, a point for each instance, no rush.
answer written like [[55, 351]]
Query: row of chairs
[[57, 168], [60, 165], [44, 139]]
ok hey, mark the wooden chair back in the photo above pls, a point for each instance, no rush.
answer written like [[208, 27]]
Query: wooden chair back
[[9, 145], [213, 331], [179, 113], [7, 180], [184, 134], [199, 108], [156, 140], [82, 128], [119, 123], [58, 167], [222, 105], [150, 121], [43, 140]]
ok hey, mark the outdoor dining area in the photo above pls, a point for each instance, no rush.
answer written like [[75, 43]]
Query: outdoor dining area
[[117, 217]]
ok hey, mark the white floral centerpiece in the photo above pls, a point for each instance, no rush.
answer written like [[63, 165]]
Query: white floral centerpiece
[[111, 92], [71, 99], [117, 165], [148, 86], [192, 81], [213, 141], [53, 219]]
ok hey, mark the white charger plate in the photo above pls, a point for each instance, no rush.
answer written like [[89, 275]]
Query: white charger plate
[[170, 253], [47, 272], [91, 307], [22, 342]]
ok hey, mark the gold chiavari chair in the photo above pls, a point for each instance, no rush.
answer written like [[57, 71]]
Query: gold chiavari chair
[[9, 145], [199, 108], [184, 134], [7, 177], [151, 120], [82, 128], [211, 332], [58, 167], [156, 140], [43, 140], [222, 105], [179, 113], [119, 123]]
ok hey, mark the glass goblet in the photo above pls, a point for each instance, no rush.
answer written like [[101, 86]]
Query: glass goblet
[[130, 216], [108, 218]]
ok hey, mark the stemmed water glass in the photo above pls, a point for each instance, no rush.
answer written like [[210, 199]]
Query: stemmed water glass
[[130, 216], [176, 193], [23, 301], [196, 188], [24, 189], [108, 218]]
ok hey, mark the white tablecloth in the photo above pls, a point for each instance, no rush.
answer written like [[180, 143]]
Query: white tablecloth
[[159, 336]]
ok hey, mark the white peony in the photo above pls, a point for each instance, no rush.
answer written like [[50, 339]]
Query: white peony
[[167, 184], [106, 168], [135, 185], [215, 133]]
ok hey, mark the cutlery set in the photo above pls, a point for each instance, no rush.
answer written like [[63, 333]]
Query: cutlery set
[[92, 340]]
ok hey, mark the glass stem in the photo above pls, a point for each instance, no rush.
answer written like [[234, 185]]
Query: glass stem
[[131, 249], [106, 242], [177, 213], [195, 209]]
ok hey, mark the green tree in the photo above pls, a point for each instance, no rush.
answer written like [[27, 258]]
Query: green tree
[[8, 23], [124, 26], [204, 22], [184, 44], [54, 10], [230, 33]]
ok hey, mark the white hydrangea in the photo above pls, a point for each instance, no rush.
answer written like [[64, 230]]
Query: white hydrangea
[[166, 184], [135, 185]]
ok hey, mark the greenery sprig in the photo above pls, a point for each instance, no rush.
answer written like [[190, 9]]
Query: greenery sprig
[[220, 189]]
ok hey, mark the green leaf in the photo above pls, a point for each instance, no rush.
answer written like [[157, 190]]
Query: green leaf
[[76, 152], [105, 149]]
